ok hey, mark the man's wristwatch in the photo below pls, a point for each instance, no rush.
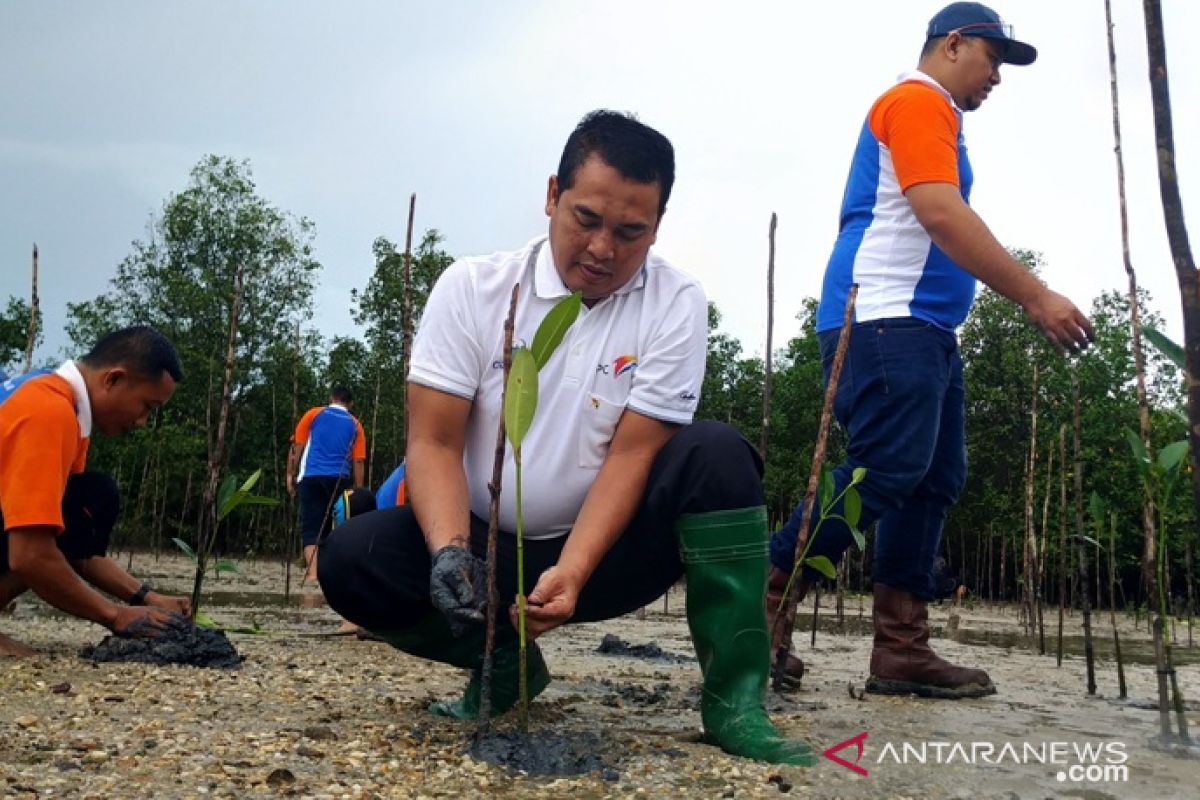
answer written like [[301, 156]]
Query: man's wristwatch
[[139, 597]]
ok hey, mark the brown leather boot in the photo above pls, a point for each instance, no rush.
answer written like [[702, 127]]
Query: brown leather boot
[[902, 662], [776, 582]]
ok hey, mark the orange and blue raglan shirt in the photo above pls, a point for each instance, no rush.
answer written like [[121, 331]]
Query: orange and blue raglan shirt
[[45, 425], [912, 135], [333, 439]]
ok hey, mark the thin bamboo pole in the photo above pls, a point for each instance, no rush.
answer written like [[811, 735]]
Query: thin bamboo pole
[[786, 616], [489, 642], [767, 360], [33, 314]]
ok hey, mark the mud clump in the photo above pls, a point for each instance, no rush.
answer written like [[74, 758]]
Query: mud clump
[[196, 647], [622, 694], [555, 753], [613, 645]]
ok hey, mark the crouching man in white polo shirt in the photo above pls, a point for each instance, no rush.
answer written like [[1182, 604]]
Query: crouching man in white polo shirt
[[622, 495]]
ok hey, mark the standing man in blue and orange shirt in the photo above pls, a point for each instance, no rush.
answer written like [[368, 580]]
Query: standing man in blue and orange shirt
[[915, 248], [327, 456], [56, 518]]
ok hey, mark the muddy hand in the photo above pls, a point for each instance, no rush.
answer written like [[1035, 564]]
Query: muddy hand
[[145, 622], [177, 605], [550, 604], [457, 587]]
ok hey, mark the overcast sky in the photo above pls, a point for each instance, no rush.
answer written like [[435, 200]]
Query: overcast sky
[[344, 109]]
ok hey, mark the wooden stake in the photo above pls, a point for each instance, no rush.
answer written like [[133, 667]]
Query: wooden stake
[[786, 617], [767, 368], [406, 321], [489, 642], [33, 314]]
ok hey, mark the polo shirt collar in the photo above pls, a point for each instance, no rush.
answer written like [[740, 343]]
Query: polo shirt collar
[[547, 284], [340, 407], [921, 77], [83, 404]]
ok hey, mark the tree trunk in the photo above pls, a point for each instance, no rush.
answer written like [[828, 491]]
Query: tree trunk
[[767, 361], [406, 320], [1112, 604], [1191, 602], [1030, 549], [33, 314], [374, 437], [293, 528], [1062, 537], [1088, 652], [1177, 236], [216, 455]]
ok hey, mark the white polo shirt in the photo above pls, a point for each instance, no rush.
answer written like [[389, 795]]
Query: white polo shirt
[[643, 347]]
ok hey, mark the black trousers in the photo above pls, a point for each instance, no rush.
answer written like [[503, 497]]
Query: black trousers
[[90, 507], [316, 495], [374, 569]]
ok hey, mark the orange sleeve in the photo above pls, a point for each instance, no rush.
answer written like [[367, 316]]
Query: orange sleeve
[[39, 448], [919, 128], [359, 451], [301, 434]]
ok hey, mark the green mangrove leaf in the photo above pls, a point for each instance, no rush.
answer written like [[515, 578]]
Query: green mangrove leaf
[[858, 475], [852, 505], [859, 539], [185, 547], [520, 399], [1088, 539], [822, 565], [1172, 455], [1139, 451], [1166, 346], [1096, 509], [248, 486], [554, 327], [225, 495], [825, 489], [203, 620]]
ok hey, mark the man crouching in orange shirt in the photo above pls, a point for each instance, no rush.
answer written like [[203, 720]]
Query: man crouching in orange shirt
[[57, 518]]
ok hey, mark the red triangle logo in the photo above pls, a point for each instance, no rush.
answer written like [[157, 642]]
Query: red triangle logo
[[832, 753]]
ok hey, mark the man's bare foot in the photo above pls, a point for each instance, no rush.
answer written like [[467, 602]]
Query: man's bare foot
[[347, 628], [11, 647]]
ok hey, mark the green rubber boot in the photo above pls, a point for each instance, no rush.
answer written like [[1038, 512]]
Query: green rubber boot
[[725, 558], [431, 638]]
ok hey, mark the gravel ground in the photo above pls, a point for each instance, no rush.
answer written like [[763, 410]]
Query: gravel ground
[[310, 715]]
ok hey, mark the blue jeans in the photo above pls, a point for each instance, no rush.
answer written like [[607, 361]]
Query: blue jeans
[[900, 399]]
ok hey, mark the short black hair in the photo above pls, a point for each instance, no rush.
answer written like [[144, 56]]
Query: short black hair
[[635, 150], [141, 349], [341, 393]]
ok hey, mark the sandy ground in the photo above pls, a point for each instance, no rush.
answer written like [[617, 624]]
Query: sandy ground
[[314, 716]]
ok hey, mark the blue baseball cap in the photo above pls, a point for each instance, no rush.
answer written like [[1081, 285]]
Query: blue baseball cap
[[976, 19]]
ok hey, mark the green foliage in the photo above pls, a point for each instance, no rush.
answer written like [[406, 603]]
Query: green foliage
[[1166, 346], [230, 497], [520, 401], [14, 333], [520, 404], [554, 327]]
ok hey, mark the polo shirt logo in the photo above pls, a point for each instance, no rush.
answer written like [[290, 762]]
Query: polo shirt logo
[[623, 364]]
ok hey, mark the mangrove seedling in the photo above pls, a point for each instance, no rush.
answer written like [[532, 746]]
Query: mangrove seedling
[[230, 497], [520, 404]]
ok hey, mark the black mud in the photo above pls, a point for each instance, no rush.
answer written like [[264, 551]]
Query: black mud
[[197, 647], [613, 645], [550, 752]]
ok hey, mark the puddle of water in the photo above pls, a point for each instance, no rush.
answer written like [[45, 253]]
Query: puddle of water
[[1136, 651]]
